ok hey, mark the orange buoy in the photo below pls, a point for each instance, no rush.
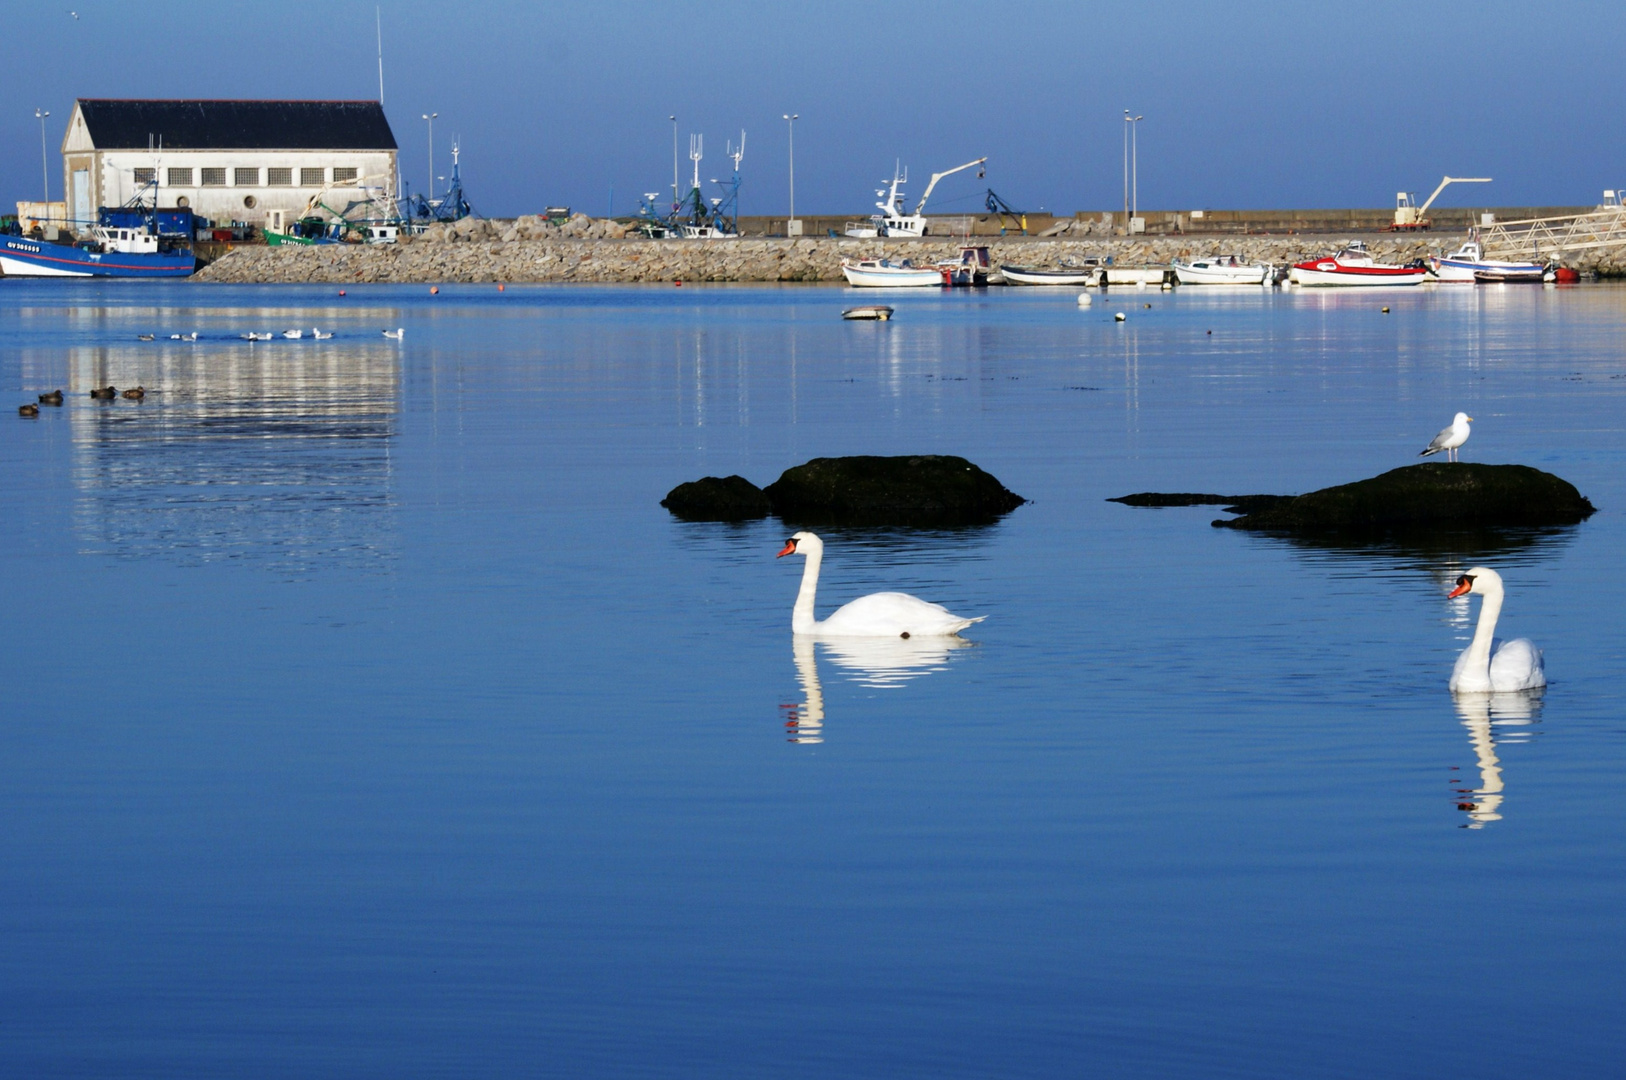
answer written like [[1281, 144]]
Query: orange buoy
[[341, 292], [499, 286], [434, 290], [678, 283]]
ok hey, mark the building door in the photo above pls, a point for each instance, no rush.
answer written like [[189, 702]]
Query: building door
[[81, 199]]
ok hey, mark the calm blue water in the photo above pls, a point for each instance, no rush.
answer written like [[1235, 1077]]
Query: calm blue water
[[365, 715]]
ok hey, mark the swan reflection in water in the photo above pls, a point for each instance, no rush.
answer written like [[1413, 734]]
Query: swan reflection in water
[[883, 663], [1488, 718]]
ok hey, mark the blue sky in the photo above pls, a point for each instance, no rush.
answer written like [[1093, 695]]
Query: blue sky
[[1246, 105]]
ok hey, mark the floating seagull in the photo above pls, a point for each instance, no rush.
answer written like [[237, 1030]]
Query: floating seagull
[[293, 335], [252, 336], [319, 336], [1451, 438], [396, 334], [144, 337]]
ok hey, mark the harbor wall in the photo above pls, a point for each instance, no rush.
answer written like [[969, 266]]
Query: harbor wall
[[1178, 222], [745, 260]]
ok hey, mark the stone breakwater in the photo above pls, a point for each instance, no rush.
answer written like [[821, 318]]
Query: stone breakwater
[[431, 259]]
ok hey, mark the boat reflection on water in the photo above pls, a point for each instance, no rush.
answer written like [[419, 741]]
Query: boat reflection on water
[[279, 455], [885, 663], [1491, 718]]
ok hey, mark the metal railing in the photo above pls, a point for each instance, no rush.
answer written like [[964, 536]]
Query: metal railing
[[1539, 239]]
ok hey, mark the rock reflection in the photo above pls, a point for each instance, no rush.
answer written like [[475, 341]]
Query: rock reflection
[[278, 454], [885, 663], [1489, 718]]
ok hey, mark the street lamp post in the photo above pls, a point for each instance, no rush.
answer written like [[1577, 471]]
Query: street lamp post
[[45, 170], [793, 227], [1126, 172], [1131, 169], [431, 118]]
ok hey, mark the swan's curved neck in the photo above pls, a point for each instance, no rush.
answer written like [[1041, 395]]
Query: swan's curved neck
[[1479, 650], [801, 616]]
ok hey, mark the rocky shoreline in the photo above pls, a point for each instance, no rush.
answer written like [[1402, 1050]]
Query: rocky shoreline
[[483, 251]]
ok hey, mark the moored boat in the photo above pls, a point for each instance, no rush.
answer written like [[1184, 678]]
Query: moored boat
[[114, 250], [1027, 275], [1468, 264], [885, 274], [1354, 265], [1221, 270]]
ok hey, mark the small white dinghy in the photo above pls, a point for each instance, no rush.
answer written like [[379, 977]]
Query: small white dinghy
[[884, 274], [1027, 275], [869, 312], [1221, 270]]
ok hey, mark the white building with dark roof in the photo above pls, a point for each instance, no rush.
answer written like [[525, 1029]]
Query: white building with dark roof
[[227, 160]]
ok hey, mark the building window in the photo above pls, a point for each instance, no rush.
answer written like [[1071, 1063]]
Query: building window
[[214, 177], [180, 177], [310, 177], [279, 178], [246, 177], [146, 176], [344, 176]]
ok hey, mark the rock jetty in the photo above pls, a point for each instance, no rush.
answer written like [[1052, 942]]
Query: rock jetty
[[587, 250]]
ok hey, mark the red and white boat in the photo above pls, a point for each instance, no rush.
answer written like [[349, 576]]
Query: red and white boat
[[1354, 266]]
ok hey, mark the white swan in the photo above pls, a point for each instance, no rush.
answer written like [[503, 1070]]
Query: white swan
[[882, 614], [1488, 665]]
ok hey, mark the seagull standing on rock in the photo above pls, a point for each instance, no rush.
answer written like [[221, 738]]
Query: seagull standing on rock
[[1451, 438]]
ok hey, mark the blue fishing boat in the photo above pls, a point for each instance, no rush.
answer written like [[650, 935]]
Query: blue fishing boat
[[127, 242]]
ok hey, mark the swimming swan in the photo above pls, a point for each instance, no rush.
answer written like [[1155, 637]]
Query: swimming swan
[[1488, 665], [882, 614]]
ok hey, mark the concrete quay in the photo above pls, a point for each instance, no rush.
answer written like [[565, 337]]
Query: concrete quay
[[435, 261]]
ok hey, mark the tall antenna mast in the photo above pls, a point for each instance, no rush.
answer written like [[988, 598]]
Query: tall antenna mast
[[697, 146], [737, 154], [378, 24]]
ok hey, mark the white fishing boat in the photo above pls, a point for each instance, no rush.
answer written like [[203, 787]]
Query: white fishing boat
[[886, 274], [1355, 266], [1468, 264], [1221, 270], [892, 221], [1027, 275]]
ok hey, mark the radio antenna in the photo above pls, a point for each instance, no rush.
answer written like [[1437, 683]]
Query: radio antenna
[[378, 24]]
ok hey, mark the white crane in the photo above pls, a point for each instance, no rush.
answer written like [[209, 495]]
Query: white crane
[[895, 223], [1408, 215]]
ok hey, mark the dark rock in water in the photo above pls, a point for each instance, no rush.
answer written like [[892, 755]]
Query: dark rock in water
[[1235, 504], [1433, 495], [718, 498], [927, 489]]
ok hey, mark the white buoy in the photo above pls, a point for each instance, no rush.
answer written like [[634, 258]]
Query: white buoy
[[1084, 299], [1120, 316], [1167, 286]]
